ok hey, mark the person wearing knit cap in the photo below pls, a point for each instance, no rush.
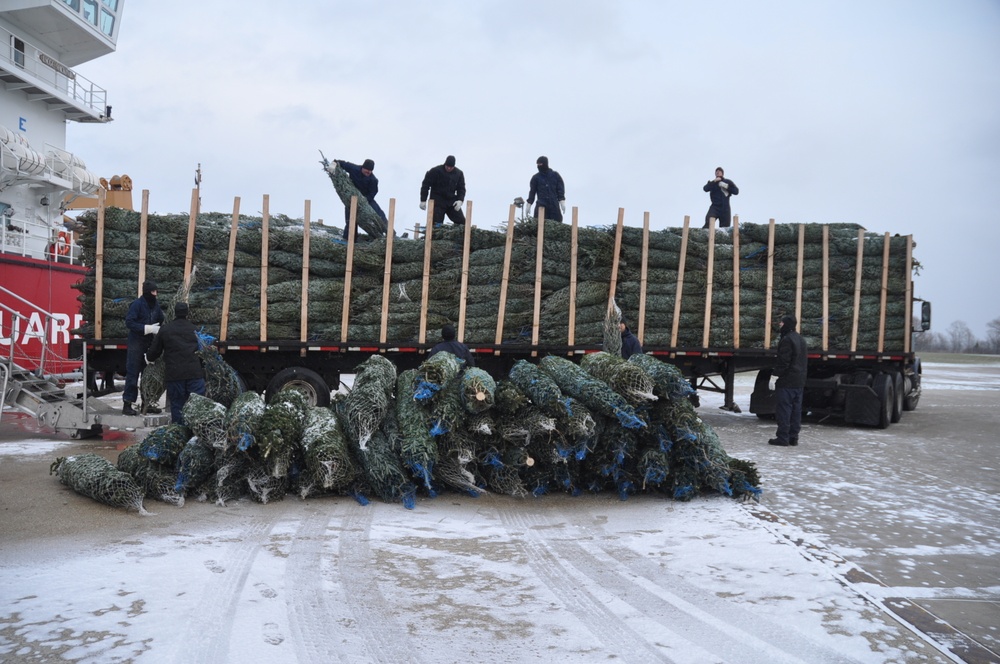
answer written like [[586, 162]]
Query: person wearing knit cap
[[547, 185], [456, 348], [445, 186], [177, 341], [630, 343], [363, 178], [719, 191], [143, 322], [790, 370]]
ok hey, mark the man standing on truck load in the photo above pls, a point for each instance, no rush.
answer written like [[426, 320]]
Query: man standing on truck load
[[791, 372], [456, 348], [719, 190], [143, 322], [630, 343], [184, 375], [445, 185], [548, 186], [367, 185]]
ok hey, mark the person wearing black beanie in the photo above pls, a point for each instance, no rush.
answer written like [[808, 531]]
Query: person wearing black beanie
[[143, 322], [789, 388], [547, 185], [363, 178], [182, 369], [456, 348], [444, 185]]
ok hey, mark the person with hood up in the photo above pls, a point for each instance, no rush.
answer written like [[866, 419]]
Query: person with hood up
[[630, 343], [790, 370], [366, 183], [456, 348], [445, 185], [143, 322], [177, 341], [547, 185], [719, 191]]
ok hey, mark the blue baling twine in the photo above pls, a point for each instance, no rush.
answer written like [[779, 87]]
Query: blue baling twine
[[628, 420], [360, 498], [425, 390], [244, 441], [439, 428]]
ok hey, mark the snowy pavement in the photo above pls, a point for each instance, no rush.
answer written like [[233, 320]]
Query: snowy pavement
[[868, 546]]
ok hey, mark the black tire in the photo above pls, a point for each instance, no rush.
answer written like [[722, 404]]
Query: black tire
[[305, 380], [884, 391], [897, 397], [910, 401], [912, 398]]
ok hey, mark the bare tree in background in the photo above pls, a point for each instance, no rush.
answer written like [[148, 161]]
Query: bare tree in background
[[993, 335], [962, 338]]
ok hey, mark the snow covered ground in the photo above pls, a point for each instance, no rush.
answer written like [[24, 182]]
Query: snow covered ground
[[868, 546]]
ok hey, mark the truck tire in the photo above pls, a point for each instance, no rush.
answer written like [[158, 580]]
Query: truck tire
[[897, 397], [913, 396], [762, 399], [304, 380], [884, 391]]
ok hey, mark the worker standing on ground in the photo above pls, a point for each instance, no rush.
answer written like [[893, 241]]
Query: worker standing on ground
[[445, 185], [456, 348], [791, 372], [143, 322], [547, 185], [366, 183], [177, 341], [719, 190]]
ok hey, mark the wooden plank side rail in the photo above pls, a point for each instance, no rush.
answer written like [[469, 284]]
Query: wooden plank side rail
[[736, 281], [799, 275], [539, 250], [826, 288], [675, 324], [643, 277], [884, 292], [99, 268], [707, 322], [768, 297], [143, 239], [387, 273], [227, 288], [352, 225], [426, 281], [264, 253], [189, 252], [907, 324], [574, 234], [466, 244], [304, 304], [505, 278], [857, 289]]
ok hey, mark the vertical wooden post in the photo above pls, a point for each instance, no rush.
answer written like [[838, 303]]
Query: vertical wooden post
[[304, 306], [227, 288], [709, 277], [192, 222], [387, 273], [680, 282], [643, 278], [143, 238], [885, 293], [345, 310], [574, 254], [857, 289], [539, 247], [826, 287], [799, 274], [265, 248], [908, 325], [463, 293], [99, 268], [615, 258], [736, 281], [770, 282], [505, 279], [425, 292]]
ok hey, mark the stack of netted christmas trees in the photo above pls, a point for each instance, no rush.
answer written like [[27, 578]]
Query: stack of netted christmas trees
[[603, 425]]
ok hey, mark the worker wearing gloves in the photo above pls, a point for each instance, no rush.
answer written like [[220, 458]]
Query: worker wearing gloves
[[547, 185], [182, 370], [719, 191], [445, 185], [143, 322], [364, 179]]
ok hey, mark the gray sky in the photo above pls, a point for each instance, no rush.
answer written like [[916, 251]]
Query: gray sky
[[885, 114]]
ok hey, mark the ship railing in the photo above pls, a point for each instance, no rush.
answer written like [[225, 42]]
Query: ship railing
[[60, 79]]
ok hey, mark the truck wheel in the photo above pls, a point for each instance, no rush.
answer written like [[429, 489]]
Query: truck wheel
[[762, 398], [884, 391], [913, 396], [897, 397], [304, 380]]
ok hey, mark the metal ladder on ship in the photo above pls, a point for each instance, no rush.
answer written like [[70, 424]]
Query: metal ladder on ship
[[43, 395]]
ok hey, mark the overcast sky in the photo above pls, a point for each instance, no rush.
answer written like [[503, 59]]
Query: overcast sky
[[885, 114]]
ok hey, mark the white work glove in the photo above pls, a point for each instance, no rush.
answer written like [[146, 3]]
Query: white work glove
[[152, 329], [562, 206], [724, 184], [423, 205], [332, 166], [458, 206], [146, 357]]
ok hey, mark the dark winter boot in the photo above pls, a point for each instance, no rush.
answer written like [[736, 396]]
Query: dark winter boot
[[151, 409], [127, 409], [775, 441]]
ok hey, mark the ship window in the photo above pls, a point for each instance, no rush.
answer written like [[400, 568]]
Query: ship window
[[73, 4], [18, 47], [90, 10], [107, 23], [111, 4]]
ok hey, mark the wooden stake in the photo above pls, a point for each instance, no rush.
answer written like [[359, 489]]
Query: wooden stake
[[227, 288], [680, 282], [425, 292], [387, 273], [345, 311], [736, 281], [265, 248], [539, 247], [643, 277], [463, 294], [908, 325], [505, 279], [770, 281], [614, 263], [192, 223], [885, 293], [99, 269], [143, 238], [826, 288], [857, 289], [574, 252], [709, 276], [798, 274], [304, 307]]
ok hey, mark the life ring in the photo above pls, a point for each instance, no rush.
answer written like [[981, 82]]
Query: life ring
[[62, 244]]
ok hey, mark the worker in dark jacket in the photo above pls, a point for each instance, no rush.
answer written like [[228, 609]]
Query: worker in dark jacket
[[790, 385], [445, 185], [184, 375], [143, 322], [366, 183], [719, 191], [548, 186], [630, 343], [456, 348]]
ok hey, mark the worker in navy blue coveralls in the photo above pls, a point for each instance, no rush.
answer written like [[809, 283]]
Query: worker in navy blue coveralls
[[630, 343], [790, 385], [456, 348], [719, 191], [143, 322], [177, 341], [367, 185], [445, 185], [547, 185]]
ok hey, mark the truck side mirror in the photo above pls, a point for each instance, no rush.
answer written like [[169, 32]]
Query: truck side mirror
[[925, 316]]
